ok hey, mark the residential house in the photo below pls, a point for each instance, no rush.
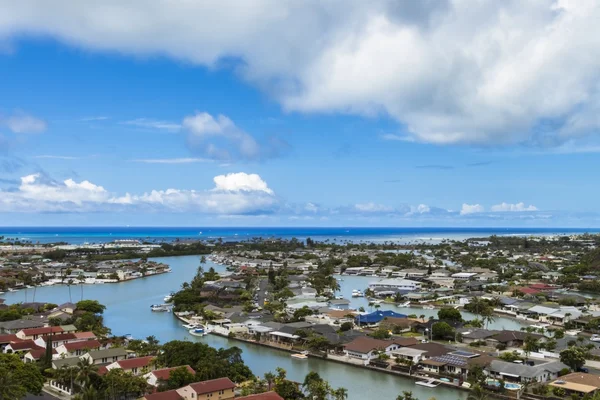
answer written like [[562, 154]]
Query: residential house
[[261, 396], [168, 395], [215, 389], [525, 373], [34, 333], [367, 348], [154, 377], [393, 284], [579, 383], [512, 338], [105, 356], [76, 349], [376, 317], [455, 363], [135, 366]]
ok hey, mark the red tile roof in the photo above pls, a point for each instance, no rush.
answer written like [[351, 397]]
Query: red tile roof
[[24, 345], [166, 372], [38, 353], [84, 344], [213, 385], [261, 396], [364, 344], [84, 335], [139, 362], [9, 338], [60, 337], [168, 395], [42, 331], [526, 290], [102, 370]]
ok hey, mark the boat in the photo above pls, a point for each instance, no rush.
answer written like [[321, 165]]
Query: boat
[[160, 308], [190, 326], [428, 307], [428, 383], [357, 293], [198, 331], [168, 297], [405, 304], [300, 356]]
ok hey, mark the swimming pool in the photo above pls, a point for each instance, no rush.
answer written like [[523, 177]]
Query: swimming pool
[[507, 385]]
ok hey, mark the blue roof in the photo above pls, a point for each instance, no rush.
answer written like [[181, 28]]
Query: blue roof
[[377, 316]]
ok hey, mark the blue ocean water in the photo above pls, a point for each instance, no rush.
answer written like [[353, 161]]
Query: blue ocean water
[[78, 235]]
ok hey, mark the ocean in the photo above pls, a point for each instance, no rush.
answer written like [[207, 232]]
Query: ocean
[[80, 235]]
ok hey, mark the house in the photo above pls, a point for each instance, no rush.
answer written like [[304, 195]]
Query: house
[[579, 383], [76, 349], [512, 338], [34, 355], [68, 308], [105, 356], [376, 317], [525, 373], [135, 366], [409, 353], [367, 348], [155, 376], [398, 325], [393, 284], [21, 347], [168, 395], [34, 333], [12, 327], [217, 389], [69, 362], [477, 335], [463, 276], [6, 339], [457, 362], [59, 339], [340, 304]]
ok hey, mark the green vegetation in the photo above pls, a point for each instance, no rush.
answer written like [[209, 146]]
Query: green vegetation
[[18, 378]]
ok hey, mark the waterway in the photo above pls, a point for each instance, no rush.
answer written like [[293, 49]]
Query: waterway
[[128, 312]]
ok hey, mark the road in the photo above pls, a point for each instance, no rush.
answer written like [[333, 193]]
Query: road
[[262, 287]]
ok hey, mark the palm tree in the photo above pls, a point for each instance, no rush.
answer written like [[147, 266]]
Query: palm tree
[[85, 369], [340, 393], [477, 393], [270, 378], [10, 388], [69, 283], [81, 280]]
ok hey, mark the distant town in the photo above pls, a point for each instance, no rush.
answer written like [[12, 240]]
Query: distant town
[[428, 311]]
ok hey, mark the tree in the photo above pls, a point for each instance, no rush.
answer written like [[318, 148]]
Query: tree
[[346, 326], [92, 306], [18, 378], [339, 394], [530, 344], [449, 314], [118, 383], [477, 393], [406, 396], [85, 370], [179, 377], [381, 333], [573, 357], [442, 330], [270, 378]]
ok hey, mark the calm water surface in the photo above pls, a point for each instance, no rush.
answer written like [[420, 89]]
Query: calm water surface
[[128, 312]]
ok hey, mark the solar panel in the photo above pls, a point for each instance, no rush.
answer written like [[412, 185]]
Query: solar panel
[[462, 353]]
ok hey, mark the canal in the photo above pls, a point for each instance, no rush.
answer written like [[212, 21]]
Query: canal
[[128, 312]]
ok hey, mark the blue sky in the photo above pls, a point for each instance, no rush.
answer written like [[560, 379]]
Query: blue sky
[[281, 114]]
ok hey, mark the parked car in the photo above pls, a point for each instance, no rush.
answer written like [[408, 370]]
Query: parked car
[[584, 370]]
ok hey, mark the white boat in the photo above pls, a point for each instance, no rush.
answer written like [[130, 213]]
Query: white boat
[[300, 356], [160, 308], [199, 331], [357, 293], [428, 307], [405, 304], [168, 298], [429, 383], [190, 326]]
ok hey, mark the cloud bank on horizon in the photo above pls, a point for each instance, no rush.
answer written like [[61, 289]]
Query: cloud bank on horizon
[[451, 71]]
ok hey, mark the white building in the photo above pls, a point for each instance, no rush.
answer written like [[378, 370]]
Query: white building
[[395, 284]]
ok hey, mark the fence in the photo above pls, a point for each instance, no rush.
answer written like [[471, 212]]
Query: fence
[[61, 388]]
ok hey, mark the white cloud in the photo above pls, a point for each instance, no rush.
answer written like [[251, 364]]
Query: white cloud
[[241, 181], [149, 123], [23, 123], [450, 71], [471, 209], [56, 157], [233, 194], [372, 207], [397, 138], [187, 160], [513, 207], [205, 131]]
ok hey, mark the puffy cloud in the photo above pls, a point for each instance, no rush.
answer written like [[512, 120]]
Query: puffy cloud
[[450, 71], [241, 181], [420, 209], [23, 123], [471, 209], [233, 194], [518, 207], [219, 138]]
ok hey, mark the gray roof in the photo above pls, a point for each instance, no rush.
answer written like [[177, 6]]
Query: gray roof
[[525, 371], [339, 301], [108, 353], [65, 362], [21, 324], [479, 334]]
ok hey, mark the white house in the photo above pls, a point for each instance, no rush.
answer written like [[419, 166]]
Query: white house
[[395, 284]]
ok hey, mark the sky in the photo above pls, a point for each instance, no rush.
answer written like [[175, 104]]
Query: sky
[[286, 113]]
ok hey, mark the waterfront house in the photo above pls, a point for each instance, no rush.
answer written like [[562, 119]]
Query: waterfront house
[[367, 348], [340, 304], [76, 349], [221, 389], [455, 363], [579, 383], [393, 284], [409, 353], [512, 338], [135, 366], [154, 377], [376, 317], [542, 372], [477, 335], [105, 356]]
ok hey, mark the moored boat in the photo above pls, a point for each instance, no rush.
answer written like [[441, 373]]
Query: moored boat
[[428, 383], [300, 356]]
